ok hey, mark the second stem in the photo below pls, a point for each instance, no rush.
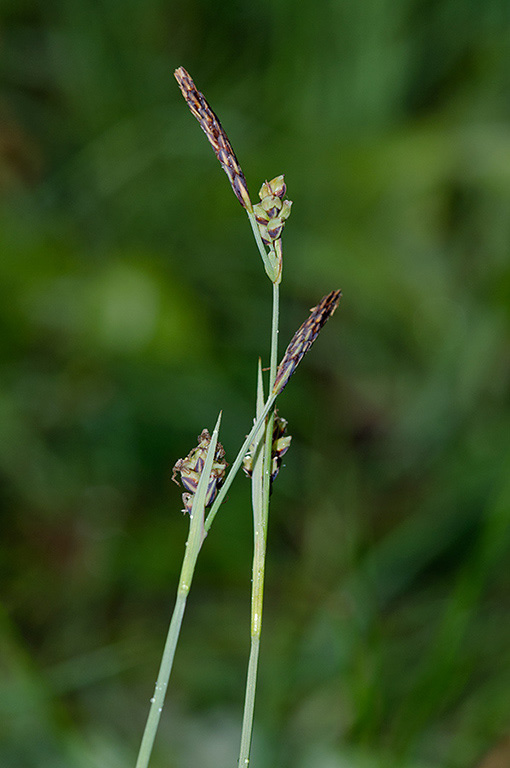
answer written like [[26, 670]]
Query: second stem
[[261, 481]]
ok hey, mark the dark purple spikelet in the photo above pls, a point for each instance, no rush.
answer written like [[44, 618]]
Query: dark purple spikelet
[[217, 137], [191, 468], [304, 338]]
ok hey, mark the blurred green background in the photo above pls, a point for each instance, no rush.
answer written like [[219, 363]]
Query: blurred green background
[[134, 307]]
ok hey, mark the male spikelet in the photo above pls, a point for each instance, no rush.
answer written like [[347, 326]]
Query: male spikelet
[[304, 338], [217, 137]]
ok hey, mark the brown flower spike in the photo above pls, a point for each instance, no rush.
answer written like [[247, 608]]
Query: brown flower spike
[[304, 338], [217, 137]]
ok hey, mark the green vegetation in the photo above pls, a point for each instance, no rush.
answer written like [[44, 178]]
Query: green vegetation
[[132, 312]]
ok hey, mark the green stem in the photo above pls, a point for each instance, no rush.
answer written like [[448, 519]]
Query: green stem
[[249, 703], [274, 335], [158, 699], [261, 481], [272, 377]]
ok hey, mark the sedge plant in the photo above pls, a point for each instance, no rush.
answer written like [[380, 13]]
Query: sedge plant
[[203, 472]]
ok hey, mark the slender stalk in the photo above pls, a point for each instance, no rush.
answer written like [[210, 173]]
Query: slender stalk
[[158, 699], [274, 335], [272, 376], [261, 480], [249, 702]]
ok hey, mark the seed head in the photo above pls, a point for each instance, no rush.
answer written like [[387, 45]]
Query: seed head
[[271, 214]]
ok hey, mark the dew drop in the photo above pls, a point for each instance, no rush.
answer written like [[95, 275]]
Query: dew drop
[[153, 700]]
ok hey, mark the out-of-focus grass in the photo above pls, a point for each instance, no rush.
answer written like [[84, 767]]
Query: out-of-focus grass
[[134, 307]]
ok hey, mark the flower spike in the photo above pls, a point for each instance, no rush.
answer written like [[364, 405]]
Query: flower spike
[[217, 137], [304, 338]]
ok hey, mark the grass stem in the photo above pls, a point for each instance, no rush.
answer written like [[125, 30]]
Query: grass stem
[[165, 668], [261, 488]]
